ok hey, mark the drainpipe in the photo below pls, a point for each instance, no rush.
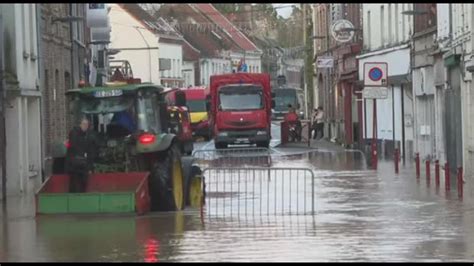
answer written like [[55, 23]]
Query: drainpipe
[[73, 73], [3, 142], [403, 122], [41, 88]]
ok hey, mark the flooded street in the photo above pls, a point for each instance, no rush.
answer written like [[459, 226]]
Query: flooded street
[[360, 215]]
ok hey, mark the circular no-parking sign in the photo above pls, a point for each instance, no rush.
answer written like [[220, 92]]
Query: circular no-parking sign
[[375, 74]]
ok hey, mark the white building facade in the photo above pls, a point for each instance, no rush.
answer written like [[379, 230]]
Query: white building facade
[[23, 98], [454, 38], [387, 36], [136, 43], [171, 70]]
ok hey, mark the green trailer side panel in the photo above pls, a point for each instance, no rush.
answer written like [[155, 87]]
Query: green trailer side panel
[[84, 203], [117, 202], [53, 203], [87, 203]]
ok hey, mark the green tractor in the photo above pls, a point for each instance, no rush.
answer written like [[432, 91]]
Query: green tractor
[[130, 125]]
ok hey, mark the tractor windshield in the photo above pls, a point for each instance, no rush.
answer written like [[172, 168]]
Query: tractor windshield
[[114, 117], [105, 105]]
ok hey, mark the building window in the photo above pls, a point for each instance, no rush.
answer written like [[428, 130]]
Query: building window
[[23, 25], [390, 37], [396, 23], [382, 25], [67, 81], [100, 57], [96, 6], [403, 23], [56, 84], [32, 18], [369, 39]]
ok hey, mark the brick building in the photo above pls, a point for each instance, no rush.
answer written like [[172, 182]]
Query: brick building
[[63, 49], [337, 89]]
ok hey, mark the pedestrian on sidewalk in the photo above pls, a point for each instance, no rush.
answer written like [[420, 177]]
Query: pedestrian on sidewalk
[[319, 123], [79, 156], [314, 130]]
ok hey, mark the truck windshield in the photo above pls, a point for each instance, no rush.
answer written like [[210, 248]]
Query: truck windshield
[[196, 105], [241, 98], [285, 97]]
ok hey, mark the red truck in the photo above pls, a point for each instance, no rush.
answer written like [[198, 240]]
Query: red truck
[[196, 101], [240, 108]]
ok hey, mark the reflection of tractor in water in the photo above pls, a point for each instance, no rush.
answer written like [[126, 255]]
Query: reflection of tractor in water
[[131, 126]]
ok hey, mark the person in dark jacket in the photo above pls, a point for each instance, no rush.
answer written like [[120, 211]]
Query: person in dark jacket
[[80, 156]]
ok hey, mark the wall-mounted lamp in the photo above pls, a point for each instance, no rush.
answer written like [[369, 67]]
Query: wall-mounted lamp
[[66, 19], [414, 12]]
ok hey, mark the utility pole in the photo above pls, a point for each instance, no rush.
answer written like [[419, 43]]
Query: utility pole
[[3, 137]]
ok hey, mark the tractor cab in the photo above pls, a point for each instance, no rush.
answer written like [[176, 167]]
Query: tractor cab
[[126, 119]]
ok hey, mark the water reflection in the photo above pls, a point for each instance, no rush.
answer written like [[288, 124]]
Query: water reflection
[[152, 250]]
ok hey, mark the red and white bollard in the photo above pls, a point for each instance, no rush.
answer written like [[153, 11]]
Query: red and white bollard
[[460, 182], [397, 160], [447, 182], [437, 173], [417, 163], [428, 172]]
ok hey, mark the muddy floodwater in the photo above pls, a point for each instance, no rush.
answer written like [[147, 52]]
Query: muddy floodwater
[[359, 215]]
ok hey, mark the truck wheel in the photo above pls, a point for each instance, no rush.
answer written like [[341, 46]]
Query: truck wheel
[[220, 145], [167, 186], [263, 144], [188, 176]]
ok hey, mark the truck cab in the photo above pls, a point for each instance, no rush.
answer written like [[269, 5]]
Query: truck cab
[[240, 109], [285, 96]]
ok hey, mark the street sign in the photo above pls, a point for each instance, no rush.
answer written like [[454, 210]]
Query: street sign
[[342, 30], [325, 62], [375, 93], [375, 74]]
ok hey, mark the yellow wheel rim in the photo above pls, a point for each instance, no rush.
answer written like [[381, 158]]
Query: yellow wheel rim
[[178, 185]]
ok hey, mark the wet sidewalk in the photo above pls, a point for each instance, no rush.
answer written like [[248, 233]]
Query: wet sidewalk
[[321, 145]]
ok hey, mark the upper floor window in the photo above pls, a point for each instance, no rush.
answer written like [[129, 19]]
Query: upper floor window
[[96, 6]]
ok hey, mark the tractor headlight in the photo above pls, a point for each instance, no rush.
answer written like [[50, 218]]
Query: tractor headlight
[[261, 132]]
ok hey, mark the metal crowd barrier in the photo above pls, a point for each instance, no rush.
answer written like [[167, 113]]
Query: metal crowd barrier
[[233, 157], [242, 192]]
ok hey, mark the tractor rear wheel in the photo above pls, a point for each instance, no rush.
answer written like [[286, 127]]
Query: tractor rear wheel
[[167, 186]]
